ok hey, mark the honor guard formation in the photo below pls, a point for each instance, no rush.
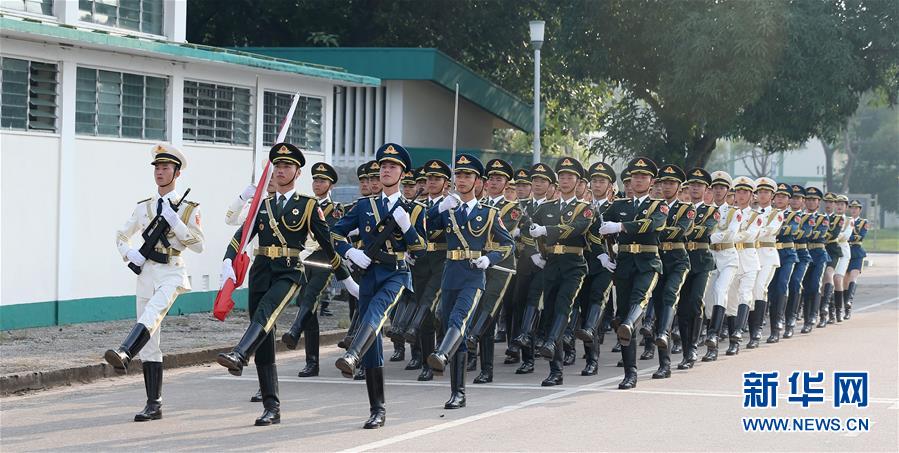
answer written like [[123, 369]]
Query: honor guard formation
[[456, 258]]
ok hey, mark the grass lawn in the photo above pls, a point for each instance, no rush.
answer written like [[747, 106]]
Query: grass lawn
[[883, 240]]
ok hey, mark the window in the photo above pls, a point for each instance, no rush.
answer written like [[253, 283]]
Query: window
[[119, 104], [216, 113], [138, 15], [44, 7], [306, 127], [28, 95]]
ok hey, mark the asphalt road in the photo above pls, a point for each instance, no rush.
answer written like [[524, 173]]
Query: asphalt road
[[701, 409]]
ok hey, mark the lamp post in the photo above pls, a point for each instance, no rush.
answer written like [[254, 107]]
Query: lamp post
[[537, 41]]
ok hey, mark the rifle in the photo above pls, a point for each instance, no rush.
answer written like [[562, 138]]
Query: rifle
[[385, 228], [156, 232]]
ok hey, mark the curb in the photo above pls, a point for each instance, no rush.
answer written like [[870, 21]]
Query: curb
[[15, 383]]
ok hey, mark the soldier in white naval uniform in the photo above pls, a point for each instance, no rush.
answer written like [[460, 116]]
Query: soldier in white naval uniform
[[769, 259], [741, 291], [158, 283]]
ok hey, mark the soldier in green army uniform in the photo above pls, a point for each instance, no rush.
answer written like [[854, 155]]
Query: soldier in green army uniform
[[282, 224], [529, 288], [597, 286], [521, 184], [564, 223], [637, 222], [317, 279], [675, 262], [702, 263], [480, 334]]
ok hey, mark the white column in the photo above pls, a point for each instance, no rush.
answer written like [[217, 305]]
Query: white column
[[370, 119], [340, 155], [175, 20], [175, 113], [348, 147], [66, 11], [358, 125], [379, 116], [258, 141], [68, 179]]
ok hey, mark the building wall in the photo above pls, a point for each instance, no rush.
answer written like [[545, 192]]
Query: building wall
[[64, 195]]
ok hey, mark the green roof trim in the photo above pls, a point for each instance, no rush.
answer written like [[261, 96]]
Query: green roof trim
[[399, 63], [181, 50]]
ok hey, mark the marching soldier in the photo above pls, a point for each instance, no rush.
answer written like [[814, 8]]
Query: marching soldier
[[594, 295], [786, 250], [769, 259], [409, 185], [564, 223], [282, 224], [702, 263], [811, 283], [317, 279], [637, 223], [417, 323], [842, 265], [806, 225], [834, 253], [727, 262], [470, 229], [373, 171], [522, 196], [857, 254], [161, 275], [364, 192], [675, 261], [529, 288], [741, 291], [390, 227], [483, 322]]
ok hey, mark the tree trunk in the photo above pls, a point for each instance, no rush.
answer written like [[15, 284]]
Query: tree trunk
[[828, 165], [701, 151], [850, 153]]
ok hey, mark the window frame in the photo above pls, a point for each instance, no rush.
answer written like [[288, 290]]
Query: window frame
[[166, 133], [117, 27], [56, 97], [251, 114], [322, 99]]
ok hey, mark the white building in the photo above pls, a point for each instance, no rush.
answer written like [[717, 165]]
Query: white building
[[88, 86]]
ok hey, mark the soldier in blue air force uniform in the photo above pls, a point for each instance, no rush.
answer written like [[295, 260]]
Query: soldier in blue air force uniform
[[386, 274], [469, 226]]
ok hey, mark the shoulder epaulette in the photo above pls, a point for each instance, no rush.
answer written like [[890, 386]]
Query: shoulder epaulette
[[192, 203]]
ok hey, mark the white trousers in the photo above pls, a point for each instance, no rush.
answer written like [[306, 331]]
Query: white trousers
[[760, 292], [158, 286], [716, 290]]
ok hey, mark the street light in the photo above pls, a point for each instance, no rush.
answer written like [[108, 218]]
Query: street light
[[537, 41]]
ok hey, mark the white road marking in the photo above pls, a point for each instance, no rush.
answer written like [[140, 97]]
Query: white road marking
[[883, 302]]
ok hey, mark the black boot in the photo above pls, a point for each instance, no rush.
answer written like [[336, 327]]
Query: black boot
[[626, 328], [350, 332], [555, 368], [617, 347], [776, 313], [665, 319], [374, 384], [685, 327], [756, 316], [257, 398], [476, 328], [485, 350], [399, 351], [292, 337], [734, 332], [427, 347], [268, 383], [312, 347], [153, 384], [415, 361], [714, 329], [649, 349], [363, 340], [823, 305], [235, 360], [832, 307], [134, 342], [848, 299], [553, 337], [630, 379], [471, 363], [414, 328], [838, 305], [527, 361], [401, 315], [450, 344], [457, 381], [588, 328], [592, 353], [524, 339]]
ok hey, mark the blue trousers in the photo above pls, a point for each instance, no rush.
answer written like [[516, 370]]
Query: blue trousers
[[374, 305], [456, 307]]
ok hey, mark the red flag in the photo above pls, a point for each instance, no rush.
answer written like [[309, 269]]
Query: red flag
[[223, 300]]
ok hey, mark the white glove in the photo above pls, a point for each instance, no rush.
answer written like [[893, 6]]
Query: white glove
[[135, 257], [536, 231], [402, 219], [481, 263], [450, 202], [538, 260], [515, 233], [607, 262], [227, 272], [409, 260], [609, 228], [351, 286], [170, 215], [358, 257], [248, 192]]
